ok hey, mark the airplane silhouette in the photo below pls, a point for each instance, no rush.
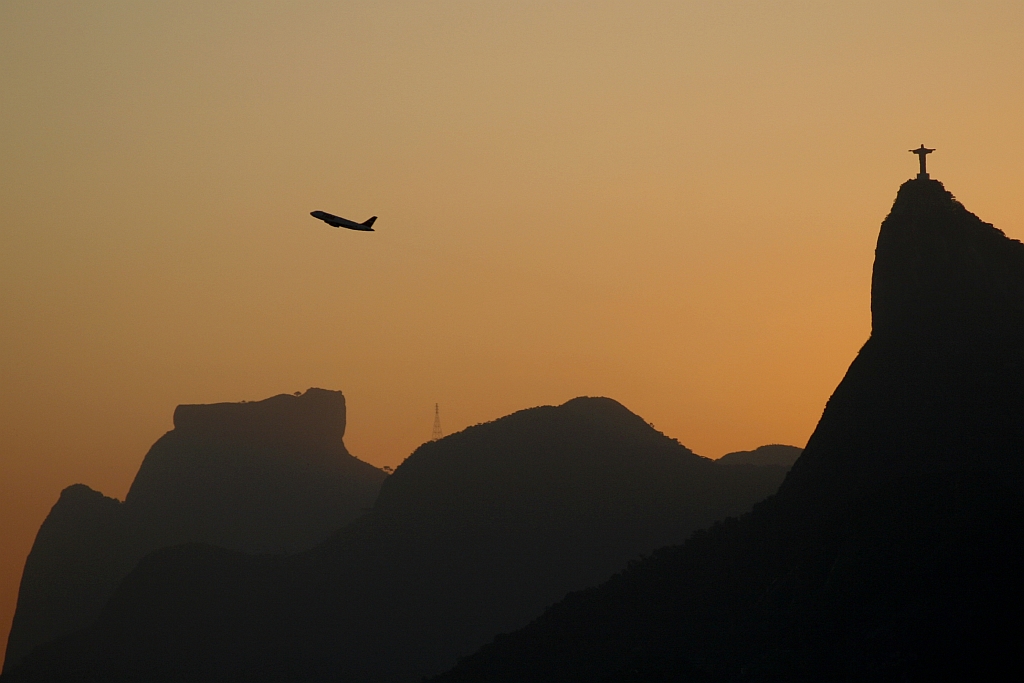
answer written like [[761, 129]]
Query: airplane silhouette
[[339, 222]]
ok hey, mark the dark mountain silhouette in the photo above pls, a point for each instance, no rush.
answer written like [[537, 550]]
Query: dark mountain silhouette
[[270, 476], [772, 454], [892, 551], [472, 535]]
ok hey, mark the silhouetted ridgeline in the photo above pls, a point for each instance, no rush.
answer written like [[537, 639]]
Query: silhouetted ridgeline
[[892, 551], [472, 535], [774, 454], [271, 476]]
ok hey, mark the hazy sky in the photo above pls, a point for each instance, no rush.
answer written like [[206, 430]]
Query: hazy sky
[[674, 204]]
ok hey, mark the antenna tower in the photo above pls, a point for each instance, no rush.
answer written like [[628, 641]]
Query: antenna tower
[[437, 424]]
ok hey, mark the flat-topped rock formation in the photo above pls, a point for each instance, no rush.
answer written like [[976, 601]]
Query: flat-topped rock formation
[[271, 476]]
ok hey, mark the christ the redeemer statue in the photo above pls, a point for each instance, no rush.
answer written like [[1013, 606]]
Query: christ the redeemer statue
[[921, 153]]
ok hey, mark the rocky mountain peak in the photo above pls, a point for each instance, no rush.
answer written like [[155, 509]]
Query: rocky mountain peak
[[942, 275]]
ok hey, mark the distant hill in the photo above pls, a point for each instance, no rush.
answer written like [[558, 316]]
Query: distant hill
[[472, 535], [773, 454], [892, 551], [271, 476]]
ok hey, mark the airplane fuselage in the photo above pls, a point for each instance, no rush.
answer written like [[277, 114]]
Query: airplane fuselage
[[339, 222]]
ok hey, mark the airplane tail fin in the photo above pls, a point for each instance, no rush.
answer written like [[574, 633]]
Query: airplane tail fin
[[369, 222]]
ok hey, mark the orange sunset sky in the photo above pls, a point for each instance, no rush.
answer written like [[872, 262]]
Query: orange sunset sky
[[673, 204]]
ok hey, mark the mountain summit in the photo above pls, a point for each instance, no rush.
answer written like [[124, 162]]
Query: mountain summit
[[266, 476], [892, 551]]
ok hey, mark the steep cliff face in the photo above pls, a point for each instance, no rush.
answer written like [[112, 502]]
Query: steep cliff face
[[892, 549], [472, 535], [943, 278], [271, 476], [938, 386]]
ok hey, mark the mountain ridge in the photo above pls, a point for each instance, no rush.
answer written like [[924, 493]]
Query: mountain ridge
[[473, 534], [891, 550], [774, 454]]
